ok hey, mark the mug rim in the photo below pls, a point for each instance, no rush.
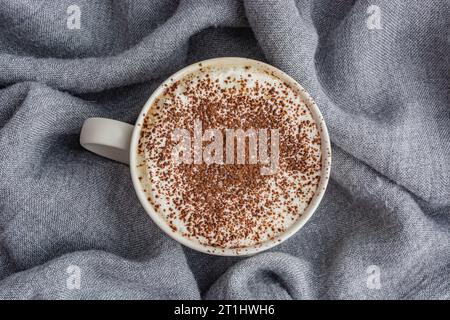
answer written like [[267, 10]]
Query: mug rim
[[309, 210]]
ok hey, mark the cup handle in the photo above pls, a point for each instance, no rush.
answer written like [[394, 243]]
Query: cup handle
[[108, 138]]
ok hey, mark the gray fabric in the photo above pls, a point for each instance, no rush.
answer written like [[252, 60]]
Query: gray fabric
[[384, 94]]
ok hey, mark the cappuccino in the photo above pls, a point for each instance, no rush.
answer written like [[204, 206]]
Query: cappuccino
[[229, 155]]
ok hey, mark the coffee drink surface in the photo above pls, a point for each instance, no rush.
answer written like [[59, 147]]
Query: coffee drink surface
[[209, 190]]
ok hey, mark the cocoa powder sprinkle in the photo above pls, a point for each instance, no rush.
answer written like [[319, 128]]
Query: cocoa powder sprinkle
[[230, 205]]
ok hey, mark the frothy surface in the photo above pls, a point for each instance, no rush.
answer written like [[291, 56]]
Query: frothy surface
[[230, 205]]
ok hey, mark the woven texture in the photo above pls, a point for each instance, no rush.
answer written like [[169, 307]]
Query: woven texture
[[382, 85]]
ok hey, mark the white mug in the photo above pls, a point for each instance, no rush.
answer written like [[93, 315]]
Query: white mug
[[118, 141]]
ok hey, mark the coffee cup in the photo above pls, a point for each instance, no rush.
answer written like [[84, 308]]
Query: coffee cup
[[122, 142]]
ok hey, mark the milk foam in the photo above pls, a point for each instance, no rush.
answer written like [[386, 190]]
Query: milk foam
[[154, 177]]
